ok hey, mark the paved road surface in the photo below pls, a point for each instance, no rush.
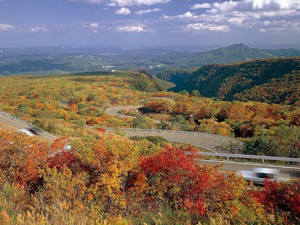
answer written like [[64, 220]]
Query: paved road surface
[[228, 166], [207, 141], [114, 111], [235, 166], [12, 124]]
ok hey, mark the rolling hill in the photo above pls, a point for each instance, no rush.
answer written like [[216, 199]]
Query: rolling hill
[[275, 80]]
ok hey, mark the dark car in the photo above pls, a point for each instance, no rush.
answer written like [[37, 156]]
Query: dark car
[[35, 130]]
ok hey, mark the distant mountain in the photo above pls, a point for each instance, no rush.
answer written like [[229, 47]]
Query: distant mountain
[[234, 53], [275, 80], [51, 61]]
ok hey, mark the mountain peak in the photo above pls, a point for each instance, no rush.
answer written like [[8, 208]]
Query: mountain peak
[[238, 47]]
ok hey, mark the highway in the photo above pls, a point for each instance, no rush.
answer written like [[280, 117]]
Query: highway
[[228, 166], [203, 140], [12, 123]]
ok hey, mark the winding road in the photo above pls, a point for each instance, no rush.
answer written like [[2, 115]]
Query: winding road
[[206, 141], [203, 140], [210, 142]]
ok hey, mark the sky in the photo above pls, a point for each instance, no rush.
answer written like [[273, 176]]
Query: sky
[[148, 23]]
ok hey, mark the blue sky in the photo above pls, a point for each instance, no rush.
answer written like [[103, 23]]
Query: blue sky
[[148, 23]]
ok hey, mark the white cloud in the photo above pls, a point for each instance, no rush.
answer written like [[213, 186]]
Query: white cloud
[[261, 30], [243, 13], [272, 4], [236, 21], [125, 2], [139, 2], [225, 6], [6, 27], [201, 6], [280, 25], [250, 5], [146, 11], [123, 11], [88, 1], [206, 27], [185, 16], [112, 4], [38, 29], [94, 25], [138, 29]]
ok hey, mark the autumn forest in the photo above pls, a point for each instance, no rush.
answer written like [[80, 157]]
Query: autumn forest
[[107, 178]]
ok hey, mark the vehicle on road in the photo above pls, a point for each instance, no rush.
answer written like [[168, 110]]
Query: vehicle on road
[[258, 175], [35, 130], [24, 131]]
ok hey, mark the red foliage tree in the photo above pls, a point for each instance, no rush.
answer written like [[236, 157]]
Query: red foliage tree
[[175, 176]]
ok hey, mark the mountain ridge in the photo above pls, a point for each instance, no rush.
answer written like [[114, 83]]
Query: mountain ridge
[[250, 80]]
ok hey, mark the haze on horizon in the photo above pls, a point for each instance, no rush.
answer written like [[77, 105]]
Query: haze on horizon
[[150, 23]]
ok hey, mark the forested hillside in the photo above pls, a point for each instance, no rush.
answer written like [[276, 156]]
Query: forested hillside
[[61, 104], [275, 80], [175, 76]]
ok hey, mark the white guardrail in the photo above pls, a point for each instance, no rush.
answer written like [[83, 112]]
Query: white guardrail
[[263, 158], [224, 155], [7, 115], [23, 122]]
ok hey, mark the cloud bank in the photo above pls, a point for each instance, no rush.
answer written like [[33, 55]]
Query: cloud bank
[[125, 2], [242, 14]]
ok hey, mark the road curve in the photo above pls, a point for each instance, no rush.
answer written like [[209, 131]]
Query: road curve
[[114, 111], [206, 141], [210, 142]]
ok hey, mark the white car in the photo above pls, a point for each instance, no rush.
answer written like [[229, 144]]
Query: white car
[[24, 131], [258, 175]]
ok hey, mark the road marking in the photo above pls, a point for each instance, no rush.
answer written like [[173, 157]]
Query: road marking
[[8, 125], [14, 121]]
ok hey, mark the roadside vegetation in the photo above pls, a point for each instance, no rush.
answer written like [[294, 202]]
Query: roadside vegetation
[[109, 179]]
